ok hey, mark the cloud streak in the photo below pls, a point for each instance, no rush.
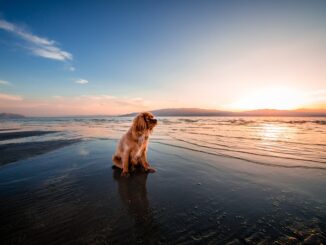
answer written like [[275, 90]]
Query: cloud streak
[[39, 46], [279, 98], [81, 81], [104, 104], [10, 97], [3, 82]]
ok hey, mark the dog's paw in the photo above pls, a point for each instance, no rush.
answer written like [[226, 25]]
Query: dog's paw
[[132, 168], [150, 170], [125, 174]]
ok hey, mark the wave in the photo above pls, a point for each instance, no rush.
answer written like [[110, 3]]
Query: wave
[[258, 139], [320, 122], [188, 120], [242, 158], [269, 148], [242, 121], [246, 152]]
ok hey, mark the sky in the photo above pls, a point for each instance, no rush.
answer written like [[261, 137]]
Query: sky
[[115, 57]]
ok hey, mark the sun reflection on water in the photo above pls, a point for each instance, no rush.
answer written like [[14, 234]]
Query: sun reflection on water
[[275, 132]]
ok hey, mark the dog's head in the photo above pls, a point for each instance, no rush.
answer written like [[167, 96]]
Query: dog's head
[[144, 121]]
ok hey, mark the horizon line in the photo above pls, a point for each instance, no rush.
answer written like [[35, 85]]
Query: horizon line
[[299, 110]]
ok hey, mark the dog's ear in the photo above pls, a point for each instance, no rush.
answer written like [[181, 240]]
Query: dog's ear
[[139, 124]]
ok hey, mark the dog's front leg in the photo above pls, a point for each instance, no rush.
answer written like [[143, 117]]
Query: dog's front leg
[[125, 164], [144, 162]]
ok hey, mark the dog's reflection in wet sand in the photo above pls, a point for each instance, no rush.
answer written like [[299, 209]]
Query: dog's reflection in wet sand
[[133, 194]]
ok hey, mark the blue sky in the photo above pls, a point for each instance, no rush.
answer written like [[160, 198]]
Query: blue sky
[[111, 57]]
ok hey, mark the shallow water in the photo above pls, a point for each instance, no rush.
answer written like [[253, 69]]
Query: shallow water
[[282, 141], [218, 180]]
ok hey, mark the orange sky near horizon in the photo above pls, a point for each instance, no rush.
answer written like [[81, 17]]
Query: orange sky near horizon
[[276, 98]]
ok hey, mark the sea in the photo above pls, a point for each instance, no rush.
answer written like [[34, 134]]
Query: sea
[[290, 142]]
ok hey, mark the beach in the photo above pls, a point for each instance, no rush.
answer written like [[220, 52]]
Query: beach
[[57, 184], [218, 106]]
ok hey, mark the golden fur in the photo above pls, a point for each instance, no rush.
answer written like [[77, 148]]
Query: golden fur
[[132, 147]]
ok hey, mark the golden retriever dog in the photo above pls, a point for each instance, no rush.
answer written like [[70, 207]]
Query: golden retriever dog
[[132, 147]]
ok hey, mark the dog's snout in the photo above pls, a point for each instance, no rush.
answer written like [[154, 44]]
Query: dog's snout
[[154, 120]]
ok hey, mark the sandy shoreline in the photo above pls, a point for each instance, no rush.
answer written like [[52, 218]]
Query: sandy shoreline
[[72, 195], [12, 152]]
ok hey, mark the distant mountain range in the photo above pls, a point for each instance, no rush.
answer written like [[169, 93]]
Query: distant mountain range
[[197, 112], [10, 116]]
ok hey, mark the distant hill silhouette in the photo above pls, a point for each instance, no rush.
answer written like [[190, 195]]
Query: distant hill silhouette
[[197, 112], [185, 112], [10, 116]]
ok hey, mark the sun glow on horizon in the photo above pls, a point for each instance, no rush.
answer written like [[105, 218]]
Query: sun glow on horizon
[[280, 98]]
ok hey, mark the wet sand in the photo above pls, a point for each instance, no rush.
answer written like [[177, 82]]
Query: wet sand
[[72, 195], [12, 152], [16, 151], [22, 134]]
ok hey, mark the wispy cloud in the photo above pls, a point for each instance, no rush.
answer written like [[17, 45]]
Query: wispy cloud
[[51, 52], [3, 82], [81, 81], [321, 92], [103, 104], [10, 97], [57, 97], [318, 96], [39, 46]]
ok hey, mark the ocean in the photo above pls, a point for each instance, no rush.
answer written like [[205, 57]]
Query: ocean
[[281, 141]]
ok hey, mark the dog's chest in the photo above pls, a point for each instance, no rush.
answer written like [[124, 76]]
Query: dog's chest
[[142, 142]]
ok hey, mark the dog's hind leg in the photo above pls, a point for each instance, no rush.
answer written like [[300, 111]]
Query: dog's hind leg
[[125, 164]]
